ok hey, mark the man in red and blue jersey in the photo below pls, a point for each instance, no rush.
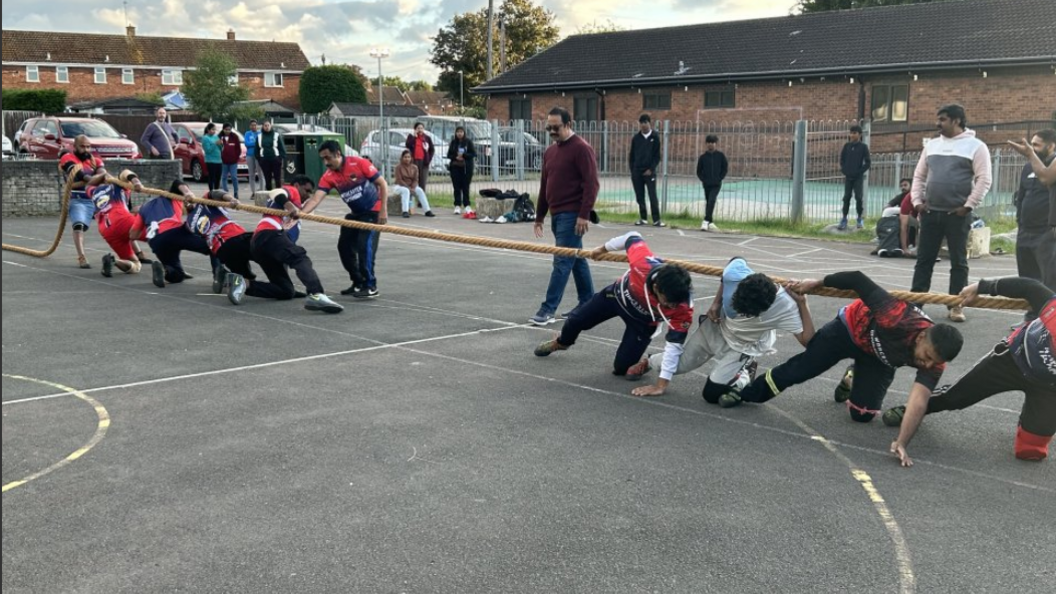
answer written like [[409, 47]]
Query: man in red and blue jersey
[[160, 223], [649, 294], [227, 240], [362, 188], [81, 209], [115, 218], [1023, 362]]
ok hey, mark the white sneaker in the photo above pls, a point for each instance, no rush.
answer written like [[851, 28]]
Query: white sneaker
[[486, 220], [712, 228], [458, 210], [322, 303], [705, 226], [501, 220]]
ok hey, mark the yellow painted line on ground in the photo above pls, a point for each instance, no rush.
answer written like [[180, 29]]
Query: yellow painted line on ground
[[100, 430]]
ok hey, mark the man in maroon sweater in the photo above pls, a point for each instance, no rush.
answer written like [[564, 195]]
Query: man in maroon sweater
[[568, 190]]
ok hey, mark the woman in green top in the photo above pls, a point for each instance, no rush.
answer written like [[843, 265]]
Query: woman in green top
[[213, 162]]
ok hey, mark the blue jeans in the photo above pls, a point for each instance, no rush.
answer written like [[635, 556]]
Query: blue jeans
[[564, 228], [231, 170]]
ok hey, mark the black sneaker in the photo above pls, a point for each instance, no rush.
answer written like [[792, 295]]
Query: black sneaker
[[351, 291], [429, 214], [108, 265], [157, 270], [219, 278], [366, 293], [893, 416], [843, 389]]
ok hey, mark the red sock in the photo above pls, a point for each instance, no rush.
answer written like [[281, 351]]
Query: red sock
[[1030, 446]]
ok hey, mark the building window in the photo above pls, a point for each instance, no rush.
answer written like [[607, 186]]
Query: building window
[[233, 80], [100, 76], [172, 78], [585, 109], [128, 76], [62, 74], [33, 74], [890, 103], [656, 101], [521, 109], [272, 79], [720, 99]]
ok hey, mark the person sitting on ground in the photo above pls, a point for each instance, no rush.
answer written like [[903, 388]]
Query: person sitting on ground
[[740, 326], [116, 219], [880, 333], [407, 184], [649, 294], [1023, 362]]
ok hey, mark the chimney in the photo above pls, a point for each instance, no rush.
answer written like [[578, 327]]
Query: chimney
[[130, 31], [230, 34]]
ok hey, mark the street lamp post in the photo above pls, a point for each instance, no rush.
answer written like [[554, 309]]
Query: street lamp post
[[380, 53]]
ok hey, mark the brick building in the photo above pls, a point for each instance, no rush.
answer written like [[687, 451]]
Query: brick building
[[892, 65], [95, 67]]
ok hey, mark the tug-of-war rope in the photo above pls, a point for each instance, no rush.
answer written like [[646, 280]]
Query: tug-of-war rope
[[922, 298]]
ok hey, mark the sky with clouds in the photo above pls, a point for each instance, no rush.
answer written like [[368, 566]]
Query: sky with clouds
[[345, 31]]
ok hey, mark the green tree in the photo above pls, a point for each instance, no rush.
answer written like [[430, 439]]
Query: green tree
[[595, 27], [323, 85], [208, 87], [44, 100], [420, 85], [462, 44], [808, 6]]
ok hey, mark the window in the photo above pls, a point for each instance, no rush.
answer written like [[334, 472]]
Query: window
[[45, 127], [585, 109], [100, 76], [62, 74], [720, 99], [272, 79], [172, 78], [890, 103], [128, 77], [656, 101], [183, 134], [521, 109], [233, 80], [33, 74]]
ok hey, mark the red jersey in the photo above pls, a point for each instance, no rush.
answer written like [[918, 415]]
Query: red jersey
[[88, 168], [888, 330], [214, 224], [633, 294], [157, 216], [354, 183], [276, 223]]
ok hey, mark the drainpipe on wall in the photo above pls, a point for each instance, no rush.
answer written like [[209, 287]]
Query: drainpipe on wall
[[861, 99]]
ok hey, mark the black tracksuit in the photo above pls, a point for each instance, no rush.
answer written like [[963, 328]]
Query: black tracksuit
[[645, 156], [461, 174], [1036, 240], [854, 162], [711, 171]]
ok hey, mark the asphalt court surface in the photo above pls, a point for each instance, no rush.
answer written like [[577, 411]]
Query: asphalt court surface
[[415, 444]]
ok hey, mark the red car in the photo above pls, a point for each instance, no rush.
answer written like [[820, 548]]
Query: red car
[[45, 138], [192, 155]]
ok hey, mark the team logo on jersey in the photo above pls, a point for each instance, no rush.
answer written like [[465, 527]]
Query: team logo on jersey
[[202, 225], [101, 199]]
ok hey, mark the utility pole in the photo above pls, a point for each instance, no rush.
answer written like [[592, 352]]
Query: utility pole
[[502, 45], [491, 40]]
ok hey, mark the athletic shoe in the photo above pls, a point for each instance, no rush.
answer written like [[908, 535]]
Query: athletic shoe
[[550, 346], [322, 303], [893, 416], [843, 225], [730, 400], [639, 369], [429, 214], [883, 253], [659, 224], [458, 211], [896, 253], [501, 220], [713, 228], [485, 220], [300, 295], [641, 223], [219, 276], [843, 390], [469, 210], [108, 265], [351, 290], [860, 225], [406, 215], [366, 293], [236, 288], [705, 226], [542, 319], [957, 315], [157, 272]]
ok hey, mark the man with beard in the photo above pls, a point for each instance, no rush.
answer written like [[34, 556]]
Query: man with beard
[[1036, 215]]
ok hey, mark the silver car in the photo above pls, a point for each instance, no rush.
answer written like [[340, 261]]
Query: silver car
[[394, 145]]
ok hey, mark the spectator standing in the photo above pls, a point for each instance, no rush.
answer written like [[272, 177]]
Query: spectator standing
[[644, 159], [422, 149], [214, 163], [712, 168], [568, 189], [462, 155], [251, 140], [271, 156], [407, 186], [854, 162], [159, 139], [230, 155], [951, 179], [1035, 213]]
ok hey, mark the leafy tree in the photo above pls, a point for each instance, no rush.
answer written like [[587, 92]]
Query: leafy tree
[[208, 87], [595, 27], [323, 85], [808, 6], [462, 44], [420, 85]]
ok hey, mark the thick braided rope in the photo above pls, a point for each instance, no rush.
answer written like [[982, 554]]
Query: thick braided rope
[[67, 191]]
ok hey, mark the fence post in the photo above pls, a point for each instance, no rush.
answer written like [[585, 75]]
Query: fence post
[[995, 177], [518, 126], [799, 170], [496, 157], [604, 146], [666, 158], [866, 129]]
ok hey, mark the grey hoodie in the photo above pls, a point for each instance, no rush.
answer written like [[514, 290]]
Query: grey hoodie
[[952, 172]]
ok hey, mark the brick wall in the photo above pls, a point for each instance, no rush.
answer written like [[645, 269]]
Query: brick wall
[[82, 86], [31, 188]]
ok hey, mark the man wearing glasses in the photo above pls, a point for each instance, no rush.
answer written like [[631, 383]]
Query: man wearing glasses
[[567, 191]]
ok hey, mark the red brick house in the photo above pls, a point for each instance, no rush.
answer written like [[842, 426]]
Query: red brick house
[[95, 67], [892, 65]]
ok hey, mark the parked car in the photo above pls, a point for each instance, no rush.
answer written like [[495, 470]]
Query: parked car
[[394, 145], [45, 138], [191, 154], [18, 134], [9, 149], [533, 149], [288, 128]]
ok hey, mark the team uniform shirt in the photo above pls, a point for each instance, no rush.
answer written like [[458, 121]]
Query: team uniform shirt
[[214, 224], [632, 293], [885, 327], [159, 215], [755, 336], [354, 183], [114, 218], [1034, 346], [88, 168], [276, 223]]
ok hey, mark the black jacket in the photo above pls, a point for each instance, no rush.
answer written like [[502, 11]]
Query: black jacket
[[645, 152], [712, 169], [854, 160], [470, 154], [1035, 203]]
